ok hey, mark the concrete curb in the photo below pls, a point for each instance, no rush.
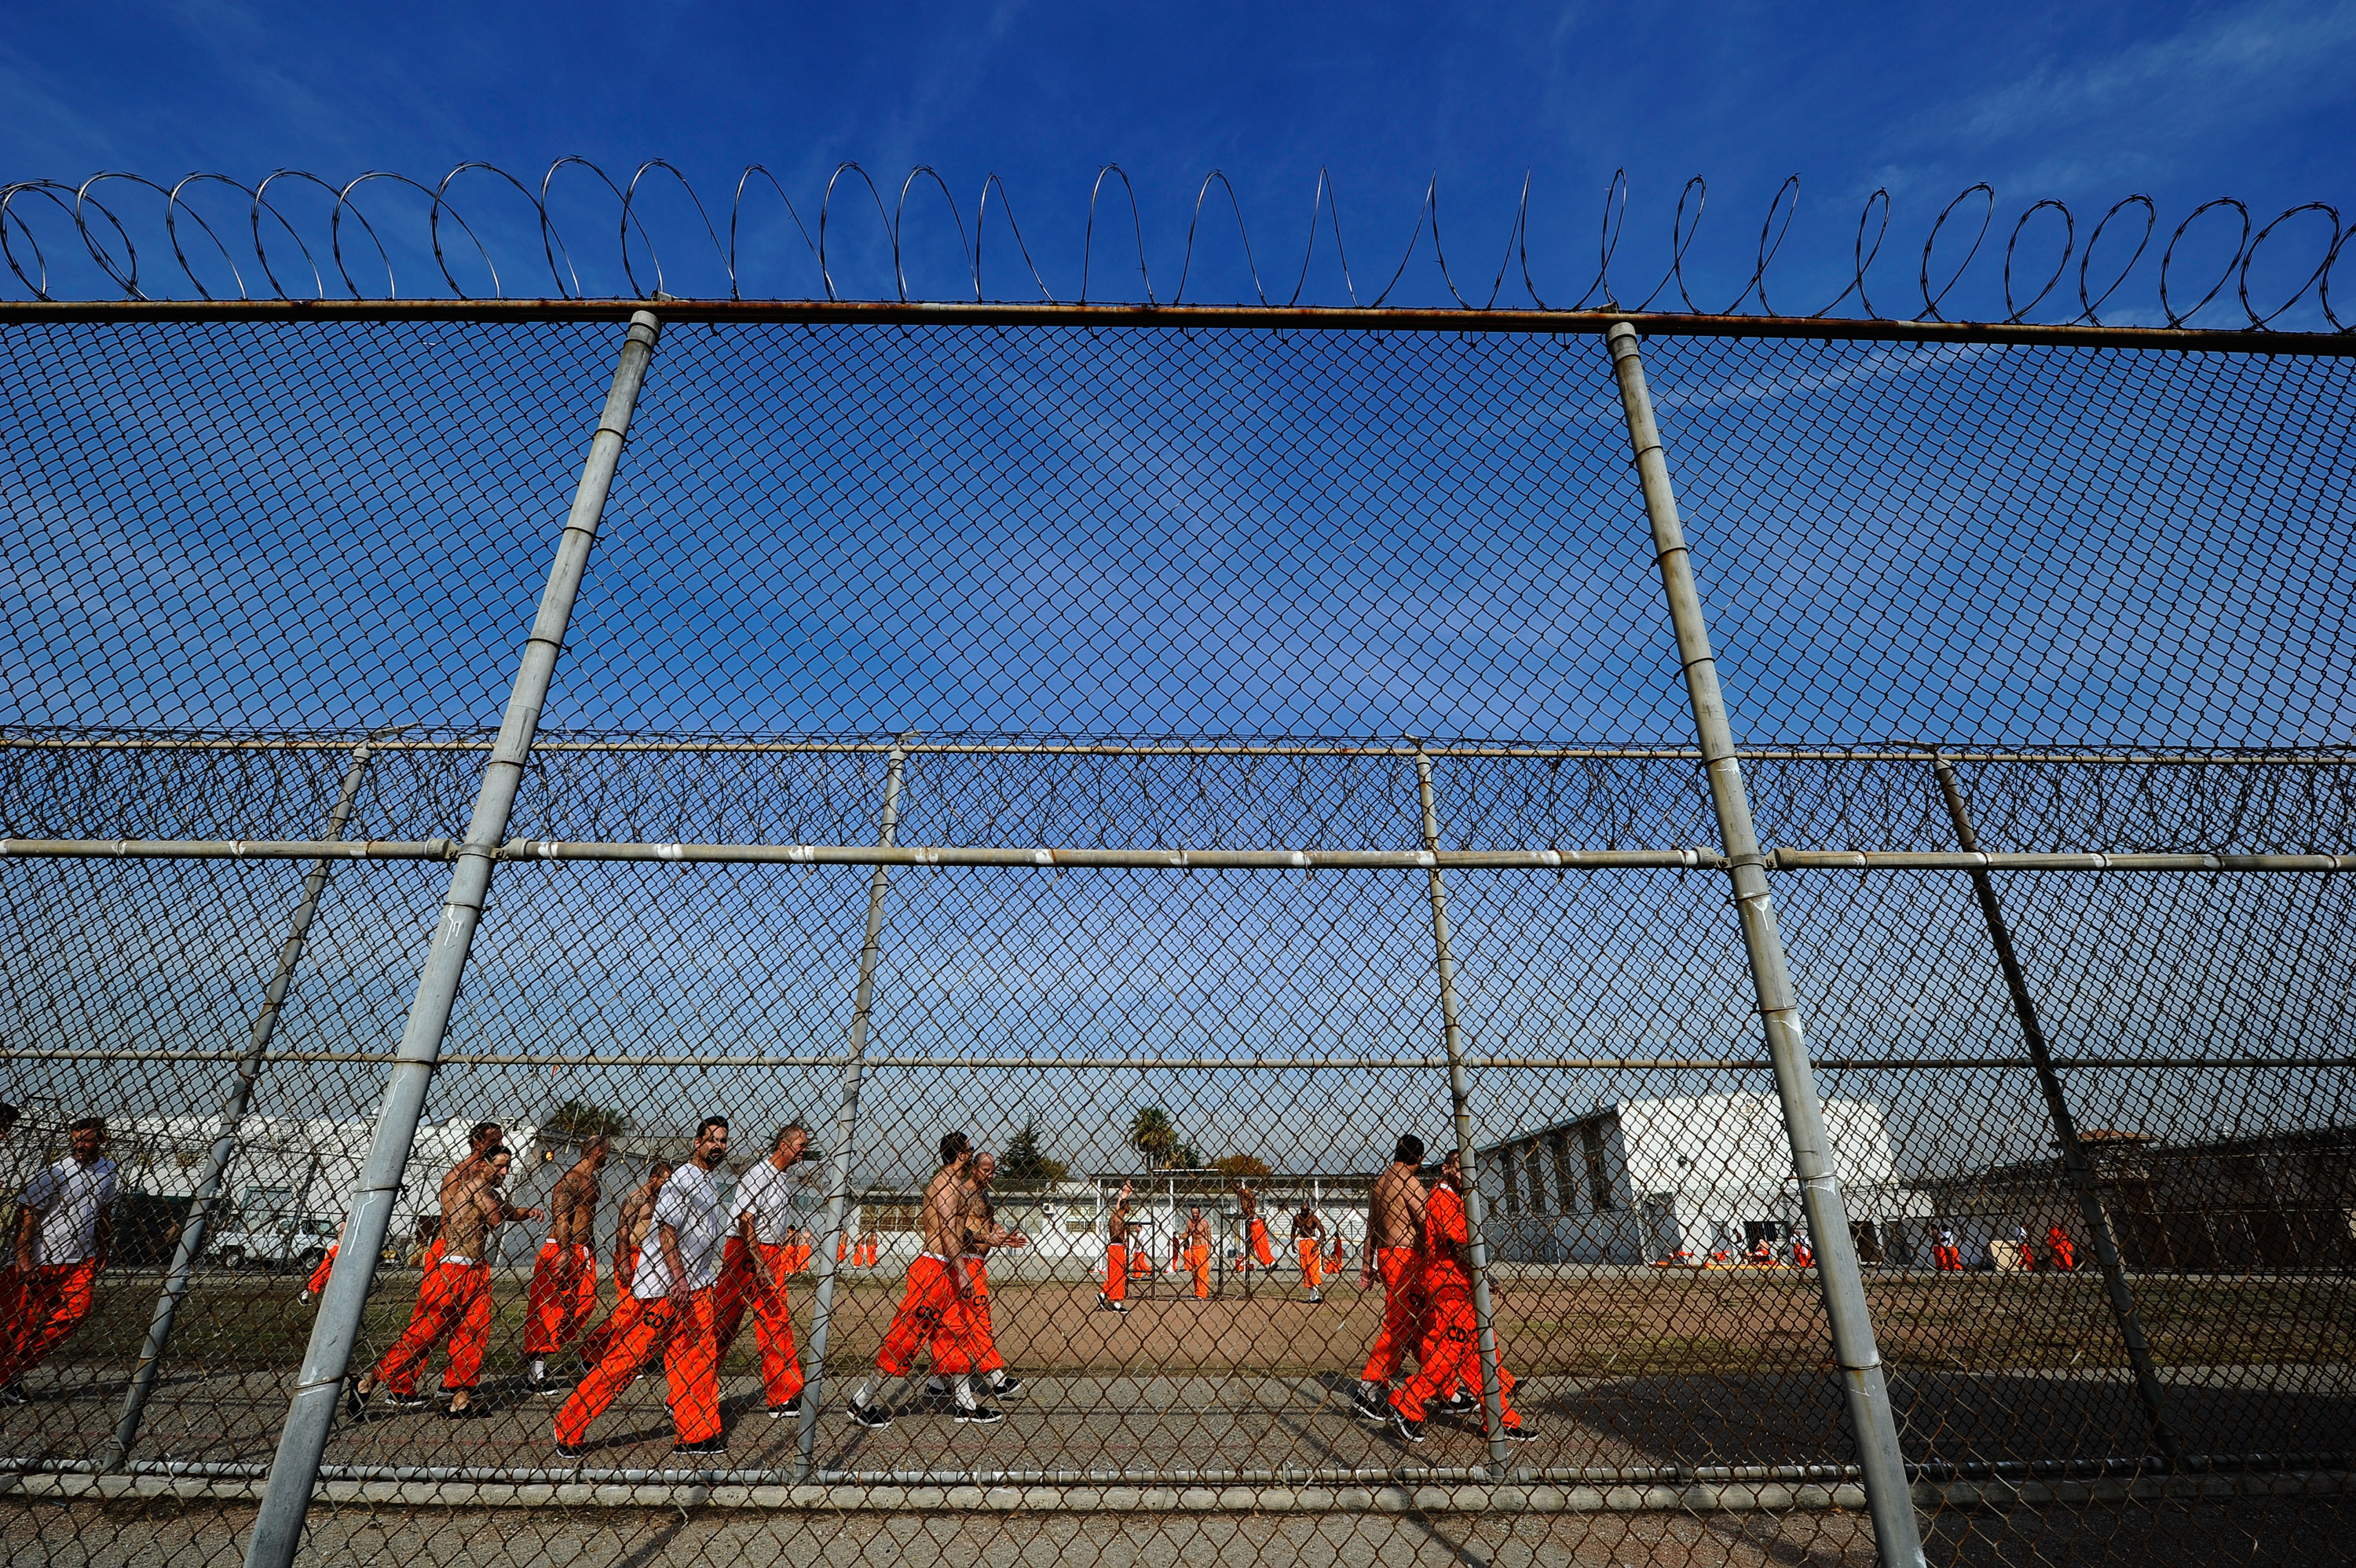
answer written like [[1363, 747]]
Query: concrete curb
[[1690, 1498]]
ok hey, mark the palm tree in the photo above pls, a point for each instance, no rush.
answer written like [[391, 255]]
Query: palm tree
[[1152, 1135]]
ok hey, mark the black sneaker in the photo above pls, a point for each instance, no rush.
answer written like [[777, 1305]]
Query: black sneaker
[[709, 1446], [546, 1387], [1368, 1410], [14, 1394], [568, 1450], [1405, 1430], [1525, 1433], [406, 1401], [980, 1415], [1006, 1387], [1459, 1404], [935, 1392], [868, 1416], [355, 1401], [1106, 1303], [792, 1407]]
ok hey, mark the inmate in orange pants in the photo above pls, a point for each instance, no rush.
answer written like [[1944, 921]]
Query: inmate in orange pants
[[773, 1318], [318, 1280], [690, 1361], [1141, 1261], [1198, 1263], [927, 1315], [453, 1300], [1947, 1260], [1259, 1247], [39, 1310], [1403, 1305], [970, 1319], [563, 1295], [1116, 1272], [1312, 1272], [1451, 1352]]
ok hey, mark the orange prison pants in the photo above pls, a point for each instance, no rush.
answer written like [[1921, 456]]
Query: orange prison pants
[[2064, 1254], [1402, 1313], [1116, 1272], [1946, 1259], [925, 1316], [773, 1318], [690, 1361], [454, 1302], [318, 1280], [1312, 1272], [1259, 1247], [1141, 1261], [563, 1296], [1451, 1352], [972, 1319], [1198, 1263], [40, 1311], [618, 1321]]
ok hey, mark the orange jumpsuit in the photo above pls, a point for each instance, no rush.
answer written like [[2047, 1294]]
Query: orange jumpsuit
[[1198, 1263], [1259, 1247], [563, 1295], [454, 1302], [1313, 1271], [318, 1280], [618, 1321], [927, 1315], [1402, 1272], [1451, 1350], [972, 1319], [691, 1361], [773, 1318], [39, 1310], [1116, 1272], [2064, 1249]]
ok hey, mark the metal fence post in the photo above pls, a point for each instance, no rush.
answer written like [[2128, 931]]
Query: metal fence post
[[191, 1244], [318, 1387], [1460, 1093], [846, 1124], [2065, 1127], [1896, 1533]]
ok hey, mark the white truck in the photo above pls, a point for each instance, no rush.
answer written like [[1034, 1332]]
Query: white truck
[[266, 1230]]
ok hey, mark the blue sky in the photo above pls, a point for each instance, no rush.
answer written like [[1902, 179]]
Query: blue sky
[[2083, 105]]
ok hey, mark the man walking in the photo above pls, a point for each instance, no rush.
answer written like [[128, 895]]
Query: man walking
[[65, 1228], [565, 1275], [1114, 1297], [637, 1215], [936, 1285], [1198, 1253], [1257, 1254], [970, 1317], [453, 1299], [673, 1286], [761, 1254], [1395, 1243], [1451, 1352], [1308, 1236]]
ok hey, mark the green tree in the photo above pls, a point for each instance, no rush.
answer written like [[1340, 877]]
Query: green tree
[[1187, 1156], [1153, 1135], [1024, 1161], [579, 1120], [1242, 1167]]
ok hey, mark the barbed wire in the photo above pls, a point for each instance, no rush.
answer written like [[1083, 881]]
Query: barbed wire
[[281, 253]]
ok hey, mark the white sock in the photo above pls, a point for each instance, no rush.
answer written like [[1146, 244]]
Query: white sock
[[538, 1368], [867, 1395], [965, 1393], [936, 1385]]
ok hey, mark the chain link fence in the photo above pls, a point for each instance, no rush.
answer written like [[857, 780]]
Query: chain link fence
[[1185, 762]]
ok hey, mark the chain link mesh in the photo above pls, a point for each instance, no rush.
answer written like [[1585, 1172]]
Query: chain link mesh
[[1201, 590]]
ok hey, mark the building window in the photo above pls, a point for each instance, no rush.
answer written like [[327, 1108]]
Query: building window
[[1566, 1186], [1511, 1170], [1537, 1177], [1599, 1178]]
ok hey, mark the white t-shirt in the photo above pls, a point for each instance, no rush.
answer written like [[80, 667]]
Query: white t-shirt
[[690, 1206], [69, 1196], [766, 1193]]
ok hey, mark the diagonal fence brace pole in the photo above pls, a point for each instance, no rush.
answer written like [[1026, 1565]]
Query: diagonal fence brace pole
[[1889, 1498], [318, 1386], [1460, 1098], [224, 1137], [846, 1124], [2075, 1163]]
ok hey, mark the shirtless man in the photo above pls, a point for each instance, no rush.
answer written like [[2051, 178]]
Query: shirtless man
[[453, 1299], [1394, 1255], [1257, 1254], [971, 1317], [1451, 1353], [629, 1234], [1114, 1296], [937, 1285], [1198, 1253], [481, 1138], [1308, 1238], [565, 1275]]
